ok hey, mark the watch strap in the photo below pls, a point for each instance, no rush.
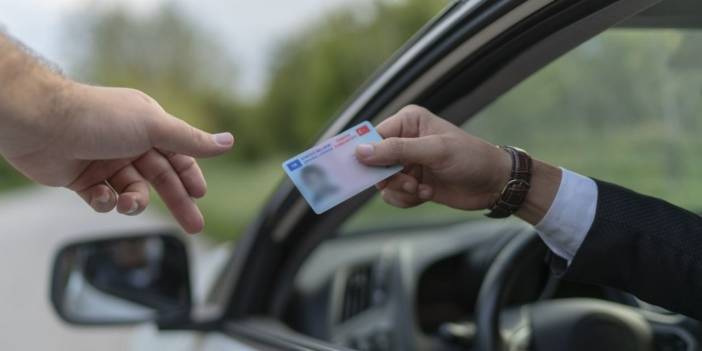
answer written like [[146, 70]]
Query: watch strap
[[517, 188]]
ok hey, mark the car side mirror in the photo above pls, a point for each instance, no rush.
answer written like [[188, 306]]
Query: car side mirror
[[123, 280]]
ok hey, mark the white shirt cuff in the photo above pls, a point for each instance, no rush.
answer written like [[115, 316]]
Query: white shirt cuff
[[567, 222]]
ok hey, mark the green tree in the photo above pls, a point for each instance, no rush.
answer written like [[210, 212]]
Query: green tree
[[163, 54], [317, 69]]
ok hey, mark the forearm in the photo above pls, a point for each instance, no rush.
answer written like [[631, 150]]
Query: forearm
[[29, 92]]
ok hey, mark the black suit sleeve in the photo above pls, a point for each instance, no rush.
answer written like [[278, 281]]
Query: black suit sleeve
[[644, 246]]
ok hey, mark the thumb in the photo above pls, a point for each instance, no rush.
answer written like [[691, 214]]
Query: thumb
[[175, 135], [392, 151]]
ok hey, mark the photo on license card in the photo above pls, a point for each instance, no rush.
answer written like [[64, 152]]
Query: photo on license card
[[329, 173]]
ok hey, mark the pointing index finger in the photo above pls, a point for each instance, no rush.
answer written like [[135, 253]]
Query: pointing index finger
[[173, 134]]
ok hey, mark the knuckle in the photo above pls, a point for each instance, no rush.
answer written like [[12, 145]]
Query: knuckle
[[416, 118], [160, 177], [185, 165], [143, 104], [157, 128], [414, 111], [389, 196], [441, 145], [438, 142], [415, 114], [138, 94], [170, 155], [198, 137], [194, 135], [145, 195]]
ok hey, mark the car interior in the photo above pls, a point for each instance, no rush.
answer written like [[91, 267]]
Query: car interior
[[415, 279]]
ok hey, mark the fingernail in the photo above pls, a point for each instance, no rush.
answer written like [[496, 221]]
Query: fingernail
[[424, 192], [223, 139], [365, 150], [407, 186], [133, 209], [103, 198]]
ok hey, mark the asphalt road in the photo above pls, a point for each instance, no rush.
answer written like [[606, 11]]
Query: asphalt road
[[34, 223]]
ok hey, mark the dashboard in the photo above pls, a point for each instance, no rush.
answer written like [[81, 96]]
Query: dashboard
[[401, 288], [354, 289]]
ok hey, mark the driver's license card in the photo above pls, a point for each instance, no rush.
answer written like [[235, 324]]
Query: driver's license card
[[329, 173]]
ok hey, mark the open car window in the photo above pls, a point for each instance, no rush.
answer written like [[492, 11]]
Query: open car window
[[625, 107]]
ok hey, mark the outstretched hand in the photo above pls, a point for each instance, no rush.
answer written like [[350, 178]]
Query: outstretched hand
[[109, 144]]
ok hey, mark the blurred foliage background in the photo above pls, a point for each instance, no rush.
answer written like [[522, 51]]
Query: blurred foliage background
[[624, 107], [312, 71]]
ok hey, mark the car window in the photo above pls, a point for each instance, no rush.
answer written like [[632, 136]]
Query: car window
[[624, 107]]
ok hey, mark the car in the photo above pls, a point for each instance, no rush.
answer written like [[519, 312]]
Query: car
[[431, 278]]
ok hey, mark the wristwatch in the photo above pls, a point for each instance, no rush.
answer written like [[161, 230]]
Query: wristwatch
[[515, 191]]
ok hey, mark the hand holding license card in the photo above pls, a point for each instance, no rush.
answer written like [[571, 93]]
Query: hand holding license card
[[329, 173]]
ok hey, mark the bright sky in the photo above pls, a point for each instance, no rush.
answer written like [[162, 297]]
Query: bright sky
[[247, 28]]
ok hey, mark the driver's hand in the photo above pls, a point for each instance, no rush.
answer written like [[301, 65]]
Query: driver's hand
[[442, 163]]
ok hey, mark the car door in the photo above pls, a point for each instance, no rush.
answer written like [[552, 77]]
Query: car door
[[468, 56]]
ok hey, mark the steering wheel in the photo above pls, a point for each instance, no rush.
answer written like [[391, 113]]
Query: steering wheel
[[565, 324]]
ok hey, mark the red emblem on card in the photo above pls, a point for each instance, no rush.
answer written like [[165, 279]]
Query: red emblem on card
[[362, 130]]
